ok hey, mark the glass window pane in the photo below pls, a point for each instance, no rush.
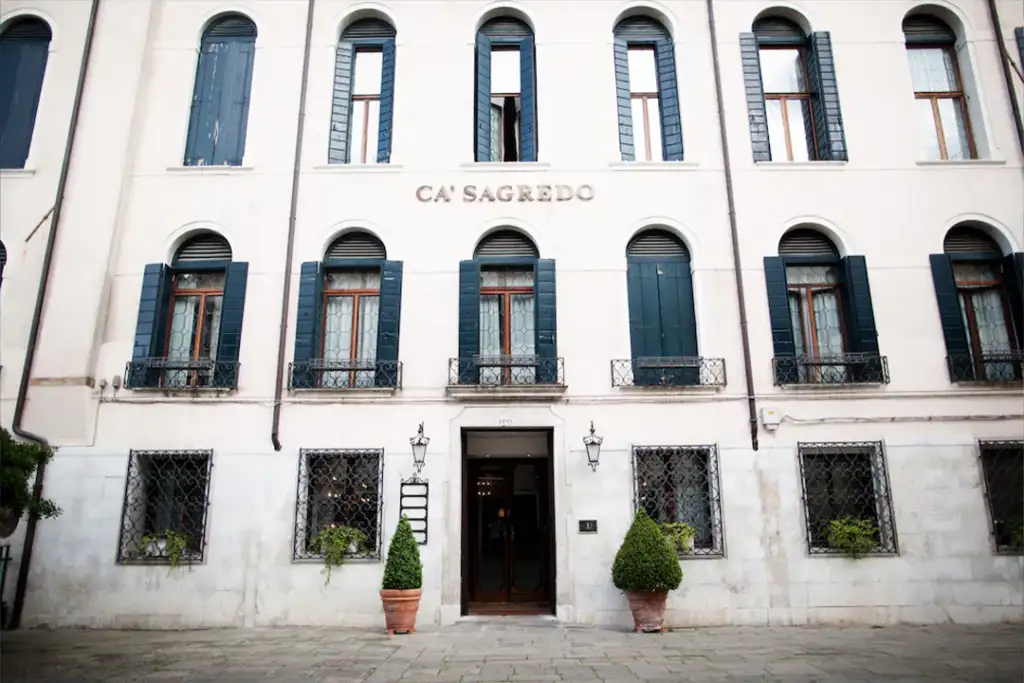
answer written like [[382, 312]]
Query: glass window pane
[[495, 131], [506, 278], [639, 131], [505, 72], [932, 70], [812, 275], [799, 129], [643, 76], [782, 71], [353, 279], [181, 341], [978, 274], [490, 336], [338, 328], [211, 328], [797, 321], [356, 132], [954, 129], [366, 351], [776, 130], [199, 280], [368, 73], [654, 123], [927, 134], [372, 131]]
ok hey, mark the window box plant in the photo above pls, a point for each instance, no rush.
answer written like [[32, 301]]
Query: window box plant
[[680, 535], [853, 537], [646, 568], [402, 586]]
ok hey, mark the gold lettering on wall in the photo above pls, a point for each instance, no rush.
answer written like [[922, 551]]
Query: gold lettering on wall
[[473, 194]]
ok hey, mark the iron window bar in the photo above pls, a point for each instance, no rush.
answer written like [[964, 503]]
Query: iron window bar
[[668, 371], [502, 370], [168, 373], [345, 374], [831, 369], [1002, 466], [992, 366]]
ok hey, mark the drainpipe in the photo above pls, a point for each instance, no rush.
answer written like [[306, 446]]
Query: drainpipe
[[286, 291], [37, 316], [734, 231], [1004, 61]]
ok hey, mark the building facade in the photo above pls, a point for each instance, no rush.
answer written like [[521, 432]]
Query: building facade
[[290, 234]]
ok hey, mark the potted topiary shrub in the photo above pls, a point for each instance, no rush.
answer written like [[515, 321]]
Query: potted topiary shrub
[[403, 581], [646, 568], [18, 462]]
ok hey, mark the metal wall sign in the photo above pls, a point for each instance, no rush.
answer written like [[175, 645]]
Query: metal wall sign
[[475, 194], [413, 505]]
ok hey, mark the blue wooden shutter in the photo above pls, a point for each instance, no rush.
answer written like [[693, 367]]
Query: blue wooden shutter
[[527, 100], [828, 115], [151, 325], [634, 291], [230, 146], [469, 321], [622, 100], [1019, 32], [387, 103], [678, 323], [644, 318], [861, 331], [1013, 276], [341, 104], [668, 101], [308, 330], [951, 318], [778, 314], [482, 127], [22, 67], [388, 323], [756, 114], [546, 321], [230, 339]]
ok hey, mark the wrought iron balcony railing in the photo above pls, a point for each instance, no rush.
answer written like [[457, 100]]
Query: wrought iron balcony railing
[[665, 371], [169, 373], [840, 368], [993, 366], [345, 374], [506, 371]]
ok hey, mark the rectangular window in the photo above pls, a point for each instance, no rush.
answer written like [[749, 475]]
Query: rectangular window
[[788, 105], [941, 106], [846, 482], [1002, 464], [985, 309], [505, 103], [339, 489], [166, 497], [194, 329], [351, 315], [643, 96], [679, 485], [507, 327], [366, 106]]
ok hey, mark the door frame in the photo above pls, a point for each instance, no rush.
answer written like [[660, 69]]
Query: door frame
[[552, 563]]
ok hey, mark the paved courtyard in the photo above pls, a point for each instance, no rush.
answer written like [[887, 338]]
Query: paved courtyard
[[512, 649]]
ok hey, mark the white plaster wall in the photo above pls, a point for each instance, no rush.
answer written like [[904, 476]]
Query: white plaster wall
[[129, 202]]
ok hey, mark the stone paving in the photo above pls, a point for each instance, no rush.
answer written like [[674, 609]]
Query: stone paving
[[512, 649]]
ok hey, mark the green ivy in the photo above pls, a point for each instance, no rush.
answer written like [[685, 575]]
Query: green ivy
[[855, 537], [679, 535], [333, 543], [175, 546], [403, 569], [646, 561], [18, 462]]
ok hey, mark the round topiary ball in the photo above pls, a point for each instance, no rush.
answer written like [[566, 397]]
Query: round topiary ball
[[646, 561]]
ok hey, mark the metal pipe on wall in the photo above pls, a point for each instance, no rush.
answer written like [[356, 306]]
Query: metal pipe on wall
[[1004, 62], [733, 228], [37, 317], [286, 290]]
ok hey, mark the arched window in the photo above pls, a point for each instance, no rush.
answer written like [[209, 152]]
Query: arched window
[[980, 306], [3, 260], [648, 97], [24, 46], [506, 314], [505, 118], [348, 317], [220, 100], [190, 318], [792, 96], [822, 318], [662, 321], [944, 130], [364, 94]]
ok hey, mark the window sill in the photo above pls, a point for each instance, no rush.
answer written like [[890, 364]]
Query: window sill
[[801, 165], [192, 392], [506, 166], [358, 168], [685, 389], [209, 170], [685, 557], [653, 165], [837, 386], [348, 560], [345, 391], [17, 172], [532, 392], [824, 552], [961, 163]]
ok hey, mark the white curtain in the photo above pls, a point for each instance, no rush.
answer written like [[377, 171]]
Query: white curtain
[[523, 337], [490, 336], [338, 338], [182, 339], [366, 353]]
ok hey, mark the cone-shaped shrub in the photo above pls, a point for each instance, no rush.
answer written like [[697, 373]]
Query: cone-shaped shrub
[[646, 561], [403, 570]]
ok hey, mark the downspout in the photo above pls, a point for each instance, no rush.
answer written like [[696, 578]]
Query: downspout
[[734, 231], [37, 316], [286, 291], [1004, 61]]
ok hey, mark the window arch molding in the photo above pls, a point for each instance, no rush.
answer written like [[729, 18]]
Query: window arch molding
[[30, 13], [995, 229], [505, 10], [505, 223], [187, 231], [203, 246], [220, 14], [688, 237], [793, 14], [355, 243], [359, 12], [651, 10], [657, 242], [504, 243], [316, 249], [839, 237]]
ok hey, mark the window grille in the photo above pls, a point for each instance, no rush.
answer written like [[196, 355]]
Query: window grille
[[1002, 464], [846, 480], [165, 492], [681, 484], [339, 488]]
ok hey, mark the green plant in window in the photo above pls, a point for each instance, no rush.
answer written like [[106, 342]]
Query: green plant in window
[[1018, 536], [680, 535], [170, 544], [335, 543], [855, 537], [18, 462]]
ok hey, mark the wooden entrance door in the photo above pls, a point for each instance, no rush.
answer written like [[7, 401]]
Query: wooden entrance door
[[509, 529]]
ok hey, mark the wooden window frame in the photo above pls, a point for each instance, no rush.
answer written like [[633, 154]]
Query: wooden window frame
[[957, 95], [806, 292], [505, 315], [203, 294], [501, 124], [964, 290], [644, 97], [364, 101], [357, 295], [785, 98]]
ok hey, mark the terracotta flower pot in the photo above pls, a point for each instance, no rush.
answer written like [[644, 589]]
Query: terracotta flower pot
[[400, 608], [648, 608]]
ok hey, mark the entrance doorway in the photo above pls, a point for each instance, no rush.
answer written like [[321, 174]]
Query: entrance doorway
[[508, 523]]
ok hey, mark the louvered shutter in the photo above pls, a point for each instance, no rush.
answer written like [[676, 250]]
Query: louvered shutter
[[356, 245], [506, 244], [756, 114], [482, 118], [778, 314], [806, 242], [388, 323], [387, 102], [24, 48], [469, 321], [950, 318], [668, 101], [341, 103], [623, 103], [308, 329], [203, 248], [924, 29], [678, 329], [828, 116], [150, 326], [527, 100], [968, 240], [546, 325], [230, 339], [1013, 276]]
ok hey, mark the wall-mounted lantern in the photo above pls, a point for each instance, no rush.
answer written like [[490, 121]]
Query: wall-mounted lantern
[[419, 449], [593, 444]]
